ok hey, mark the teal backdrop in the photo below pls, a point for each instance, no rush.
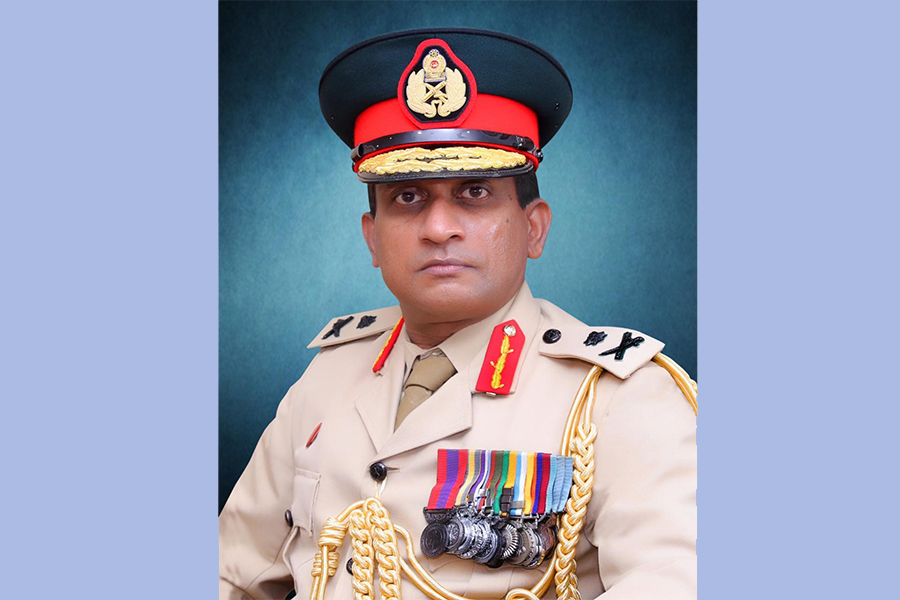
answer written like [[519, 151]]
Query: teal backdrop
[[621, 177]]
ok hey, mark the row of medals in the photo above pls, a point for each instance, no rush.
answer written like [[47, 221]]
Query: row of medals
[[488, 538]]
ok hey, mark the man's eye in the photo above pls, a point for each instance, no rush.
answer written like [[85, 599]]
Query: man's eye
[[407, 197], [475, 191]]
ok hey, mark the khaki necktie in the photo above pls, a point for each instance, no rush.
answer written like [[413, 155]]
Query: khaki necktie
[[427, 375]]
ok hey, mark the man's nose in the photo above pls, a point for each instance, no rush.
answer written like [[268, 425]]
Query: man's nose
[[441, 220]]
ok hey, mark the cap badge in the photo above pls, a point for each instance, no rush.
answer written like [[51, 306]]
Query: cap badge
[[436, 87], [435, 90]]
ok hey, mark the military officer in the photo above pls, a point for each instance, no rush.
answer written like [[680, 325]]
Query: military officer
[[446, 412]]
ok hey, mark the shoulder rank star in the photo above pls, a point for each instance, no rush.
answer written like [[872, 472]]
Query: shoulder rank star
[[501, 358]]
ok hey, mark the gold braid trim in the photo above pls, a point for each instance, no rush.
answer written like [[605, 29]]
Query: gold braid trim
[[361, 541], [373, 533], [330, 539], [372, 536], [434, 160], [386, 554], [581, 449]]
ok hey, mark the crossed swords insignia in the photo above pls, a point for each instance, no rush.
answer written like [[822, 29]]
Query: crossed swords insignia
[[626, 343], [436, 91]]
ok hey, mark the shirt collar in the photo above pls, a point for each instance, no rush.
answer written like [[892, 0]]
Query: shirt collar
[[466, 347]]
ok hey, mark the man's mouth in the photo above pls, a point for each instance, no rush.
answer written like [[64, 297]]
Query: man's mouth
[[446, 266]]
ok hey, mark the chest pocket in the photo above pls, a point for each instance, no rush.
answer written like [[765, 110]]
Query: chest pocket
[[299, 548], [306, 489]]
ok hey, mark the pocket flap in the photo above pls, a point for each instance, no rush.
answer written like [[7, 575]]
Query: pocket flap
[[306, 488]]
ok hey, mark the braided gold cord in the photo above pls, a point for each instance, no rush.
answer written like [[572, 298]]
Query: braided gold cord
[[576, 507], [581, 449], [361, 542], [332, 563], [386, 554], [330, 539], [373, 533], [332, 534]]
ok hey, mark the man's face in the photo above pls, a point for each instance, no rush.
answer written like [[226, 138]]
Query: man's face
[[453, 249]]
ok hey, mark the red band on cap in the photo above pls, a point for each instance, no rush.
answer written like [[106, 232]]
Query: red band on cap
[[489, 113]]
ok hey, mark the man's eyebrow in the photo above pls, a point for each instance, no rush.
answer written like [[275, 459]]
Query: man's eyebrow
[[475, 180], [390, 187], [396, 185]]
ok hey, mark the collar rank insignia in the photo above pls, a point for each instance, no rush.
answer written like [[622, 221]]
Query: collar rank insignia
[[440, 92], [348, 328], [501, 358], [496, 507]]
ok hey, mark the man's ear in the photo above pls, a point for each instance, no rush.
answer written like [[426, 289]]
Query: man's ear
[[368, 231], [539, 217]]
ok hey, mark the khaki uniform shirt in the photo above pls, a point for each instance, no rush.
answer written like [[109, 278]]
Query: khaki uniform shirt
[[639, 536]]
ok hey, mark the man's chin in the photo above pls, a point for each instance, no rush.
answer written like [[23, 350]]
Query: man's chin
[[446, 301]]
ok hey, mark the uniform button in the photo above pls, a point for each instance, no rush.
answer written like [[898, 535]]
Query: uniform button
[[289, 518], [551, 336], [378, 471], [350, 566]]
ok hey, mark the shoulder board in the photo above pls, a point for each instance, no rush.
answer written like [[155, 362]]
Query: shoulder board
[[356, 326], [619, 351]]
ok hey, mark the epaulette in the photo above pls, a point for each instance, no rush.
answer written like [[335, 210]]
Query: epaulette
[[356, 326], [619, 351]]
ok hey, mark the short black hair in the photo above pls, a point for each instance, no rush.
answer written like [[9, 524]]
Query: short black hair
[[526, 190]]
